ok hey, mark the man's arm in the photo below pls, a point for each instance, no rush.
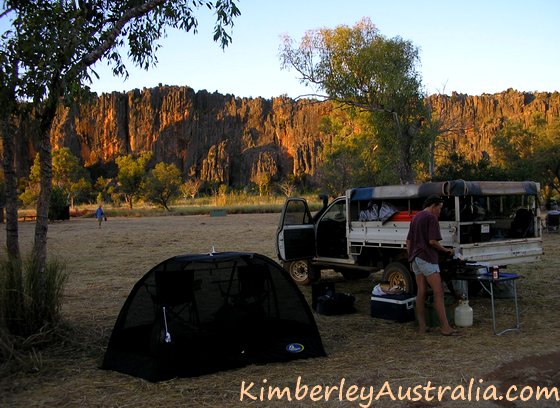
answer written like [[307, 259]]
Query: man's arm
[[435, 244]]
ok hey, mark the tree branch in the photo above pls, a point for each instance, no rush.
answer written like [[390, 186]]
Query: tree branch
[[143, 9]]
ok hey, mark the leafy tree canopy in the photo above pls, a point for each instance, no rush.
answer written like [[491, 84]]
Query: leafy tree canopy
[[163, 184], [349, 158], [358, 66], [68, 176], [131, 174], [56, 43], [458, 167], [531, 152]]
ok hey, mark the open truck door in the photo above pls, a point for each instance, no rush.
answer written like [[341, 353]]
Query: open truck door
[[295, 240], [295, 237]]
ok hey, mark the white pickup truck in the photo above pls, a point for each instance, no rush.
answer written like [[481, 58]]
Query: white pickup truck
[[485, 222]]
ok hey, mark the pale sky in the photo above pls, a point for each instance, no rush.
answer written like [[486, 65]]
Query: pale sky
[[467, 46]]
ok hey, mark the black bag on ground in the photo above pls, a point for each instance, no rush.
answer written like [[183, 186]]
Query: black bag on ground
[[333, 303], [319, 289]]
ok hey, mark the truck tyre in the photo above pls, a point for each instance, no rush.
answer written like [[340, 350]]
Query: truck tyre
[[396, 273], [300, 271]]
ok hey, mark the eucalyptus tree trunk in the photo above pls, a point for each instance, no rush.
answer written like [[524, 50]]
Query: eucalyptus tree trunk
[[404, 168], [9, 111], [45, 165], [42, 223], [405, 136], [10, 180]]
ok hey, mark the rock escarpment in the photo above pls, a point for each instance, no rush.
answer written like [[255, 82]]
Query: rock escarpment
[[473, 121], [212, 136], [235, 140]]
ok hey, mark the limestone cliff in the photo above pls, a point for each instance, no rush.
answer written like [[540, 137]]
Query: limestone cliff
[[472, 121], [234, 140], [213, 136]]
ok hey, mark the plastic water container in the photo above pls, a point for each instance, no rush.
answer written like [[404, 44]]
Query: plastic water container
[[464, 314]]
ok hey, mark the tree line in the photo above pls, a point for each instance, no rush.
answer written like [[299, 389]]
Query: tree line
[[137, 178], [519, 152]]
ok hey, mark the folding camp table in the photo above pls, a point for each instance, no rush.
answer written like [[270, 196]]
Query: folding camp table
[[487, 282]]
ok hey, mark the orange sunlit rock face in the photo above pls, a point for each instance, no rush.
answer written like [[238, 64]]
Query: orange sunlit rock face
[[238, 140]]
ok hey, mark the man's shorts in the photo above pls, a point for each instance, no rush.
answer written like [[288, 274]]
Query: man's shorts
[[421, 267]]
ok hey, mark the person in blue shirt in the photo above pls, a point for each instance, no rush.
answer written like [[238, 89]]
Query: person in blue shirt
[[100, 215]]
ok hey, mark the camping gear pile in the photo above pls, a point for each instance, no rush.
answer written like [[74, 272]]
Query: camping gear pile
[[327, 301], [202, 313]]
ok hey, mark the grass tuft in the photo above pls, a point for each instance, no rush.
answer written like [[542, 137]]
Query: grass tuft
[[30, 302]]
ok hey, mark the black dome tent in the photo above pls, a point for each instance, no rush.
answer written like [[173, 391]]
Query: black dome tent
[[202, 313]]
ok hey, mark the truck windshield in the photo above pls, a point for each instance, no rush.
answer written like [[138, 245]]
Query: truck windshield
[[337, 212]]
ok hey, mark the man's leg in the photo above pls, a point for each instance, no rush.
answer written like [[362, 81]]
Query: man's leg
[[434, 281], [420, 303]]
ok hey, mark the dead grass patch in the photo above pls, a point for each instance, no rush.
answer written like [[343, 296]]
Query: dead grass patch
[[104, 263]]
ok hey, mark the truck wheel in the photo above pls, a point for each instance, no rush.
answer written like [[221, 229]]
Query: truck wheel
[[300, 271], [397, 273]]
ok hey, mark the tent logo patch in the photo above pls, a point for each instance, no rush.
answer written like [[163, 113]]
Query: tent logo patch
[[294, 347]]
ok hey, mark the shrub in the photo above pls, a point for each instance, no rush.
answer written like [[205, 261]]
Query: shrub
[[58, 205], [29, 304]]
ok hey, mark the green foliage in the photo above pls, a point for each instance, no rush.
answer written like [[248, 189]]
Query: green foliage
[[457, 167], [350, 158], [29, 299], [515, 148], [531, 152], [131, 175], [31, 193], [548, 158], [106, 190], [68, 175], [58, 205], [359, 67], [162, 185], [55, 43]]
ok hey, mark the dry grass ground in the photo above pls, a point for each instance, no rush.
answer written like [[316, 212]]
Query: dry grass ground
[[106, 262]]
